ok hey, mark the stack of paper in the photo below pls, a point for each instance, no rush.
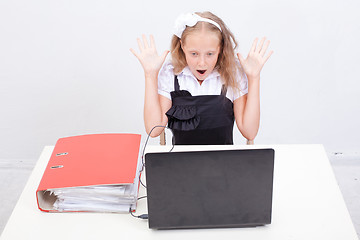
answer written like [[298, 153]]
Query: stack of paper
[[92, 173]]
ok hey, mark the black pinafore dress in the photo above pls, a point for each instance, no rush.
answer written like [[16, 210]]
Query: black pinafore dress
[[200, 120]]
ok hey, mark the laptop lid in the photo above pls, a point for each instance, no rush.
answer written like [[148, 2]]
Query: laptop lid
[[208, 189]]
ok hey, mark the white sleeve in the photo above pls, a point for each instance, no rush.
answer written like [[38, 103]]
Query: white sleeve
[[242, 84], [166, 80]]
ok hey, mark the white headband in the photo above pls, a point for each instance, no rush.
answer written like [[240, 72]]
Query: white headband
[[190, 19]]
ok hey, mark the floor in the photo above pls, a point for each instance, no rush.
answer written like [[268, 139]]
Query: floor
[[14, 174]]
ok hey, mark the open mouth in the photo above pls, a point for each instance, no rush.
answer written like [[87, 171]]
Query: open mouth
[[201, 71]]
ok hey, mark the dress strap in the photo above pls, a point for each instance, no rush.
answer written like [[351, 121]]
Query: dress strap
[[176, 84], [223, 90]]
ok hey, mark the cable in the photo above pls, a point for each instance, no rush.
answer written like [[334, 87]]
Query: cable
[[146, 216], [145, 144], [142, 216], [141, 197], [147, 139]]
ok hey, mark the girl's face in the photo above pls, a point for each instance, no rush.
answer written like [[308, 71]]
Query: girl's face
[[201, 50]]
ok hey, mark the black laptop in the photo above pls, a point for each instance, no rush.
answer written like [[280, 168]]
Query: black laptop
[[209, 189]]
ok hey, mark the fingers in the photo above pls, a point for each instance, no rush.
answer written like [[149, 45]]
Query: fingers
[[141, 46], [148, 56], [152, 41], [146, 45], [261, 44], [163, 56], [264, 48], [256, 58], [268, 56], [261, 48], [241, 59], [133, 52], [253, 47]]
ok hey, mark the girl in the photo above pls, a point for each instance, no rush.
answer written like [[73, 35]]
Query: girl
[[204, 87]]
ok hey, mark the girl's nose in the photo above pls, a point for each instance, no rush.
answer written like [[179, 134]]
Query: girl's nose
[[202, 61]]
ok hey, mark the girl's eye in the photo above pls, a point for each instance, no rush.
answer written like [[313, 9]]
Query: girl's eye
[[210, 54], [194, 54]]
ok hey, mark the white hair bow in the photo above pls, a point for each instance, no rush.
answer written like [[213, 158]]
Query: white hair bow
[[190, 19]]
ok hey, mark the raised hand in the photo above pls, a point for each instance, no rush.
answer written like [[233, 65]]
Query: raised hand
[[256, 58], [148, 56]]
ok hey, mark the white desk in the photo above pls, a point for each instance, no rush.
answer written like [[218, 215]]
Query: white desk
[[307, 204]]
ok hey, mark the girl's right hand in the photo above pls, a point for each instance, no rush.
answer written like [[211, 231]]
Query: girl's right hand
[[148, 56]]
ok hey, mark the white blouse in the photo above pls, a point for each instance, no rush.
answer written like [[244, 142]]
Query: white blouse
[[210, 86]]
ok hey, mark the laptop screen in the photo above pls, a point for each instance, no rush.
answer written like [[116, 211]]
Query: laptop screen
[[206, 189]]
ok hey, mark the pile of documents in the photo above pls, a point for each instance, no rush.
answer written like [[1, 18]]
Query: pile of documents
[[106, 198], [92, 173]]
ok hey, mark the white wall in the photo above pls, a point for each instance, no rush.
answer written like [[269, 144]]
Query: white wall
[[66, 68]]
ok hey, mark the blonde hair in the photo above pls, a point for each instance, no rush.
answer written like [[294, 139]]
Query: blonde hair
[[226, 64]]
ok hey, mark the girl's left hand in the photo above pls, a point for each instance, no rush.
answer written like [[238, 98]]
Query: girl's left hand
[[256, 58]]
